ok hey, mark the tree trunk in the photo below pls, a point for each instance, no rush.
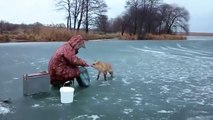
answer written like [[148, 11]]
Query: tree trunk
[[70, 23], [81, 15], [87, 12], [75, 14]]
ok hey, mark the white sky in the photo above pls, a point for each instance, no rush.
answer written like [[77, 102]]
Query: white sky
[[43, 11]]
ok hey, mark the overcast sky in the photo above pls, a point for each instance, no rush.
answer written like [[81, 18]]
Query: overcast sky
[[43, 11]]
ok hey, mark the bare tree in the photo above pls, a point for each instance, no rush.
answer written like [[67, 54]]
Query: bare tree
[[174, 17], [6, 27], [152, 16], [115, 24], [125, 23], [1, 26], [133, 6], [78, 12], [36, 27], [65, 5], [94, 8], [102, 23], [75, 11], [87, 16], [81, 13]]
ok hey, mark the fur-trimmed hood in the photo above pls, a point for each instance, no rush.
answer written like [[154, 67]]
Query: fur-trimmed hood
[[77, 42]]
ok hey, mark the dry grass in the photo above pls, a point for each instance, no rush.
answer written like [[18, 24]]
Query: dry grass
[[150, 36], [95, 36], [51, 34], [4, 38], [54, 34], [63, 34], [127, 36], [164, 37]]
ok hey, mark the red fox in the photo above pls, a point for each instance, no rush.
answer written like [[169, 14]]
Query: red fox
[[103, 68]]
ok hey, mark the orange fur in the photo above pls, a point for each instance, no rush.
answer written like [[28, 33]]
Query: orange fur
[[103, 67]]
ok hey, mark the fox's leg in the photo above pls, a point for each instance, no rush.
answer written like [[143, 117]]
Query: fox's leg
[[98, 75], [110, 70], [105, 73], [111, 73]]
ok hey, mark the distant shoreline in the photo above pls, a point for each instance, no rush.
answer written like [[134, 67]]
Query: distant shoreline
[[126, 38], [197, 34]]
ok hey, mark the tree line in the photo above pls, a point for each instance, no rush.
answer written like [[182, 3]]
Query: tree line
[[147, 16], [10, 28], [81, 13], [139, 18]]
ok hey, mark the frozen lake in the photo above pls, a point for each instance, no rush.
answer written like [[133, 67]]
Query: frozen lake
[[154, 80]]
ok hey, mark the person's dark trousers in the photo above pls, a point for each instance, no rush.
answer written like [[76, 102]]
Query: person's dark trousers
[[59, 83]]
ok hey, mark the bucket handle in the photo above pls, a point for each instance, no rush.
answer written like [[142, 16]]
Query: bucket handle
[[66, 83]]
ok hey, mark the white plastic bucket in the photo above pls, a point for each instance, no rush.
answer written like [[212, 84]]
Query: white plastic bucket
[[67, 94]]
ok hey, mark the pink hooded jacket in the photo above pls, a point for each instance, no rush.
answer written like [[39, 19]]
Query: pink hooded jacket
[[63, 64]]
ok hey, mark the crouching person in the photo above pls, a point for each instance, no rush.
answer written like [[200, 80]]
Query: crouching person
[[64, 64]]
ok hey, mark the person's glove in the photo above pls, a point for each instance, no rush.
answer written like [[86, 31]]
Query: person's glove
[[86, 65]]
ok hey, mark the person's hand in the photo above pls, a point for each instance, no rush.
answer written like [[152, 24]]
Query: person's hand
[[86, 65]]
